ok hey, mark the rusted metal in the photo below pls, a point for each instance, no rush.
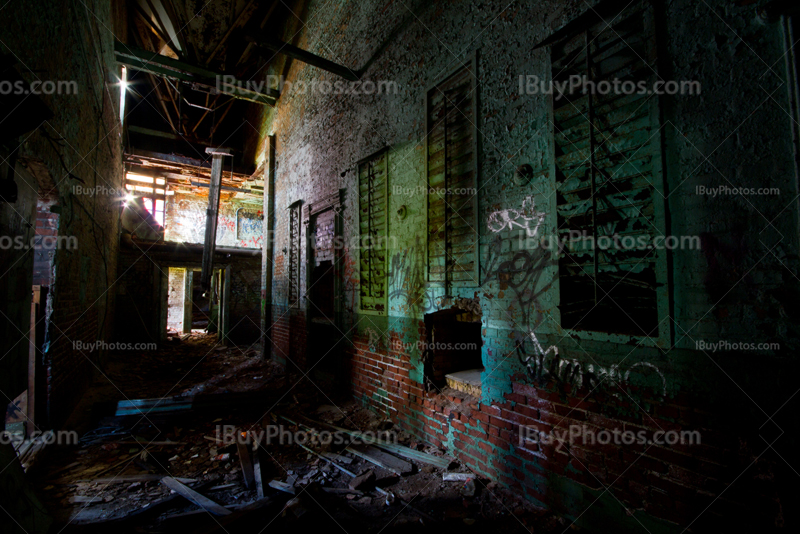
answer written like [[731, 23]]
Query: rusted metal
[[294, 253]]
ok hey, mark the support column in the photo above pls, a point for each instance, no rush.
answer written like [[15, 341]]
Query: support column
[[210, 242], [268, 249]]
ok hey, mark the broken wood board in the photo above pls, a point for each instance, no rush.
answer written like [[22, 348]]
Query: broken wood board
[[364, 480], [247, 464], [281, 486], [458, 477], [200, 500], [180, 404], [381, 459], [338, 458], [146, 510], [134, 478], [258, 479], [400, 450], [85, 499], [343, 490]]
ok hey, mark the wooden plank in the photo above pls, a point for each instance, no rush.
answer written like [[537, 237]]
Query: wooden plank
[[30, 408], [134, 478], [305, 56], [405, 452], [381, 459], [281, 486], [247, 464], [458, 477], [337, 458], [190, 494], [257, 474]]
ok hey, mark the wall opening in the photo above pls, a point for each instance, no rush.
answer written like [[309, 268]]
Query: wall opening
[[452, 353]]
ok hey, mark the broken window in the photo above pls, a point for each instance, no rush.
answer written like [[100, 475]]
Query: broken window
[[452, 179], [452, 353], [294, 254], [372, 191], [156, 208], [608, 175]]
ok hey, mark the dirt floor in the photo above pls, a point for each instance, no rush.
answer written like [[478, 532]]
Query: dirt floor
[[114, 478]]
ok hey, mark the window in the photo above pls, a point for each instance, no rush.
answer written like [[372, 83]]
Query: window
[[609, 178], [294, 254], [153, 192], [451, 168], [156, 208], [372, 192]]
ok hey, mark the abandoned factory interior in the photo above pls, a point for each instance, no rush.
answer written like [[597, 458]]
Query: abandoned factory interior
[[370, 266]]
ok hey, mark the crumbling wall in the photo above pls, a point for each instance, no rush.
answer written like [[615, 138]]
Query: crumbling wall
[[238, 223], [175, 300], [737, 287]]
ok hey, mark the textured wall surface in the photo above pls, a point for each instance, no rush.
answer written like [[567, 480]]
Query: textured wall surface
[[185, 222], [740, 285], [77, 157]]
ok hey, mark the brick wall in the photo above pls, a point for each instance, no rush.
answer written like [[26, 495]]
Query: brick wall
[[735, 289], [660, 485], [76, 158], [47, 228]]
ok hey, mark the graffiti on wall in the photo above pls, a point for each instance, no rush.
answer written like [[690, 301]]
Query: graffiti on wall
[[526, 218], [407, 281], [186, 222], [545, 365]]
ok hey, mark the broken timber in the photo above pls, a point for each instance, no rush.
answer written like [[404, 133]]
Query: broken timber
[[405, 452], [381, 459], [190, 494], [247, 464], [305, 56], [164, 66]]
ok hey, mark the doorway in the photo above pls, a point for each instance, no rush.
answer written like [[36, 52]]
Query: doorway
[[189, 309]]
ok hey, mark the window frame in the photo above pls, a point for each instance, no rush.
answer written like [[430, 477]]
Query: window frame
[[295, 207], [662, 264], [470, 63], [382, 153]]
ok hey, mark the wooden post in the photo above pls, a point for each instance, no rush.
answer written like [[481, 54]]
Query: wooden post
[[210, 242], [188, 286], [30, 425], [224, 312]]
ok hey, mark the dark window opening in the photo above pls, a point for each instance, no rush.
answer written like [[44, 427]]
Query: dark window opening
[[452, 352], [607, 161]]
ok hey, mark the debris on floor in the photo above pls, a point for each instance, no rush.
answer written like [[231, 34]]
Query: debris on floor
[[211, 456]]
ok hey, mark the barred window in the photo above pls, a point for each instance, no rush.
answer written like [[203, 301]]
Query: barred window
[[294, 254], [452, 179], [608, 167], [373, 228]]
